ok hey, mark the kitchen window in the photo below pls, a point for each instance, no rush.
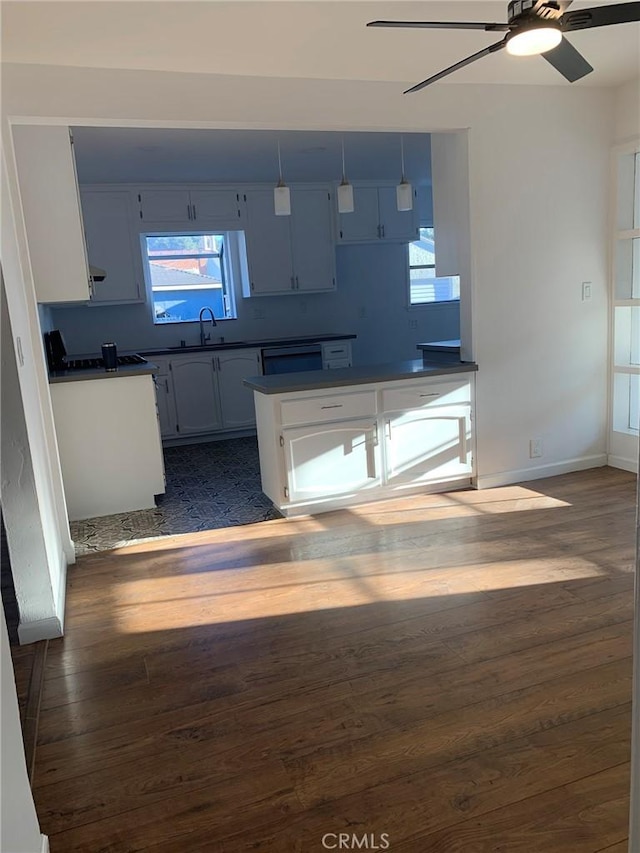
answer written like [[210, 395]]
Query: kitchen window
[[186, 272], [425, 288]]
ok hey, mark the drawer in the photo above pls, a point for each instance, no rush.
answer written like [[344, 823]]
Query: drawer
[[405, 398], [333, 407], [340, 349], [337, 362]]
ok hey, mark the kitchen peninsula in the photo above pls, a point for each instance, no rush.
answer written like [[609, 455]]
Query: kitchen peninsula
[[330, 439]]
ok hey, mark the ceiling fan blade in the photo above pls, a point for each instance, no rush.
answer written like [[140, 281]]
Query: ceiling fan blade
[[600, 16], [440, 25], [568, 61], [487, 50]]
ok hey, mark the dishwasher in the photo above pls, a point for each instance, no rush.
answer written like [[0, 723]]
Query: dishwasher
[[293, 359]]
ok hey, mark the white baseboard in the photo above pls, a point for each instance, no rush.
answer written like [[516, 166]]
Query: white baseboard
[[623, 463], [506, 478], [45, 844], [41, 629]]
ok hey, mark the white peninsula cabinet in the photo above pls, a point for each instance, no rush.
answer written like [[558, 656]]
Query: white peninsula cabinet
[[322, 448], [202, 393], [109, 444]]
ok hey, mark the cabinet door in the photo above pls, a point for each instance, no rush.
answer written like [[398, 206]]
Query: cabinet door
[[195, 387], [166, 405], [165, 205], [217, 208], [51, 205], [331, 459], [268, 241], [361, 225], [236, 400], [397, 225], [314, 256], [108, 227], [428, 446]]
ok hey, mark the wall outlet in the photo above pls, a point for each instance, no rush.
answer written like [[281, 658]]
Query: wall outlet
[[586, 290], [413, 324], [535, 448]]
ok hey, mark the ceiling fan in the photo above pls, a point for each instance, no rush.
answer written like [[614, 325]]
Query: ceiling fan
[[533, 27]]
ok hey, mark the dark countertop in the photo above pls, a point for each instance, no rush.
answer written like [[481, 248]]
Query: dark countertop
[[100, 373], [440, 346], [258, 343], [282, 383]]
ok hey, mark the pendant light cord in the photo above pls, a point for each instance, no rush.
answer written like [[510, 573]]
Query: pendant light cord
[[343, 169], [280, 181], [402, 157]]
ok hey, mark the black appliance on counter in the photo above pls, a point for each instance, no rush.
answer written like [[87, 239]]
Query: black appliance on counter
[[57, 356]]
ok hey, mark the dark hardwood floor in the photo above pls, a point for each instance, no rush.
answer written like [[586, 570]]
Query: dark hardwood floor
[[441, 674]]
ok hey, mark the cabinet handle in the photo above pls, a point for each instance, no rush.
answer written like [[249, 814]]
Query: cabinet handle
[[462, 433], [195, 215], [382, 226], [297, 284], [388, 423], [189, 211], [335, 406], [293, 284], [434, 394], [166, 385], [213, 362], [379, 232], [218, 360]]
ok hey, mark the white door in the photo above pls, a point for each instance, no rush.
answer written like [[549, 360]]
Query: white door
[[400, 225], [216, 208], [268, 245], [431, 445], [165, 205], [331, 459], [362, 224], [312, 240], [236, 400], [195, 388], [108, 229]]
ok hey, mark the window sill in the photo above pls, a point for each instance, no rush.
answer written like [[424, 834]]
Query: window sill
[[438, 306]]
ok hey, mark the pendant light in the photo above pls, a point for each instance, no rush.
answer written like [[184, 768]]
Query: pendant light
[[404, 193], [345, 191], [281, 194]]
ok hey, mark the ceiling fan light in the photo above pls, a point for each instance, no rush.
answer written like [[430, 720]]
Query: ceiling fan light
[[345, 198], [534, 40]]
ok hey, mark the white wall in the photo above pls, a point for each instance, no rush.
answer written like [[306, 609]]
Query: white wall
[[19, 829], [538, 225], [41, 517], [627, 116]]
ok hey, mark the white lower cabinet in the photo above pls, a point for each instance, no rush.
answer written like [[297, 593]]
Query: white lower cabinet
[[428, 446], [331, 459], [203, 393], [195, 388], [343, 446]]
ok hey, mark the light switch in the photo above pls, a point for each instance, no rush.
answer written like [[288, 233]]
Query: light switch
[[586, 290]]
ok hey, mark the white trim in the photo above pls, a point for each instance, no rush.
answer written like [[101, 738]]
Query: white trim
[[505, 478], [623, 463], [41, 629], [45, 844]]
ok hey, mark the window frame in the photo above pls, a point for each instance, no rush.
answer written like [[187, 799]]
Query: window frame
[[231, 269], [420, 306]]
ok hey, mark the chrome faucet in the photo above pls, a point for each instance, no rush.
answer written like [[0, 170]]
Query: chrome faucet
[[204, 338]]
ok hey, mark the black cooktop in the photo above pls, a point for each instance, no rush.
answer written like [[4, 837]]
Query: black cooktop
[[96, 363]]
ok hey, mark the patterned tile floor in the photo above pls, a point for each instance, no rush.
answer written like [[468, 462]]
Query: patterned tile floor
[[208, 486]]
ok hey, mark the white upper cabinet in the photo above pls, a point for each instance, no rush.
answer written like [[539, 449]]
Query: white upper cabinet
[[108, 216], [290, 254], [50, 202], [198, 206], [268, 245], [312, 245], [376, 218]]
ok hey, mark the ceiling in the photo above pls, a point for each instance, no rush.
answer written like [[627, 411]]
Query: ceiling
[[126, 154], [325, 39]]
